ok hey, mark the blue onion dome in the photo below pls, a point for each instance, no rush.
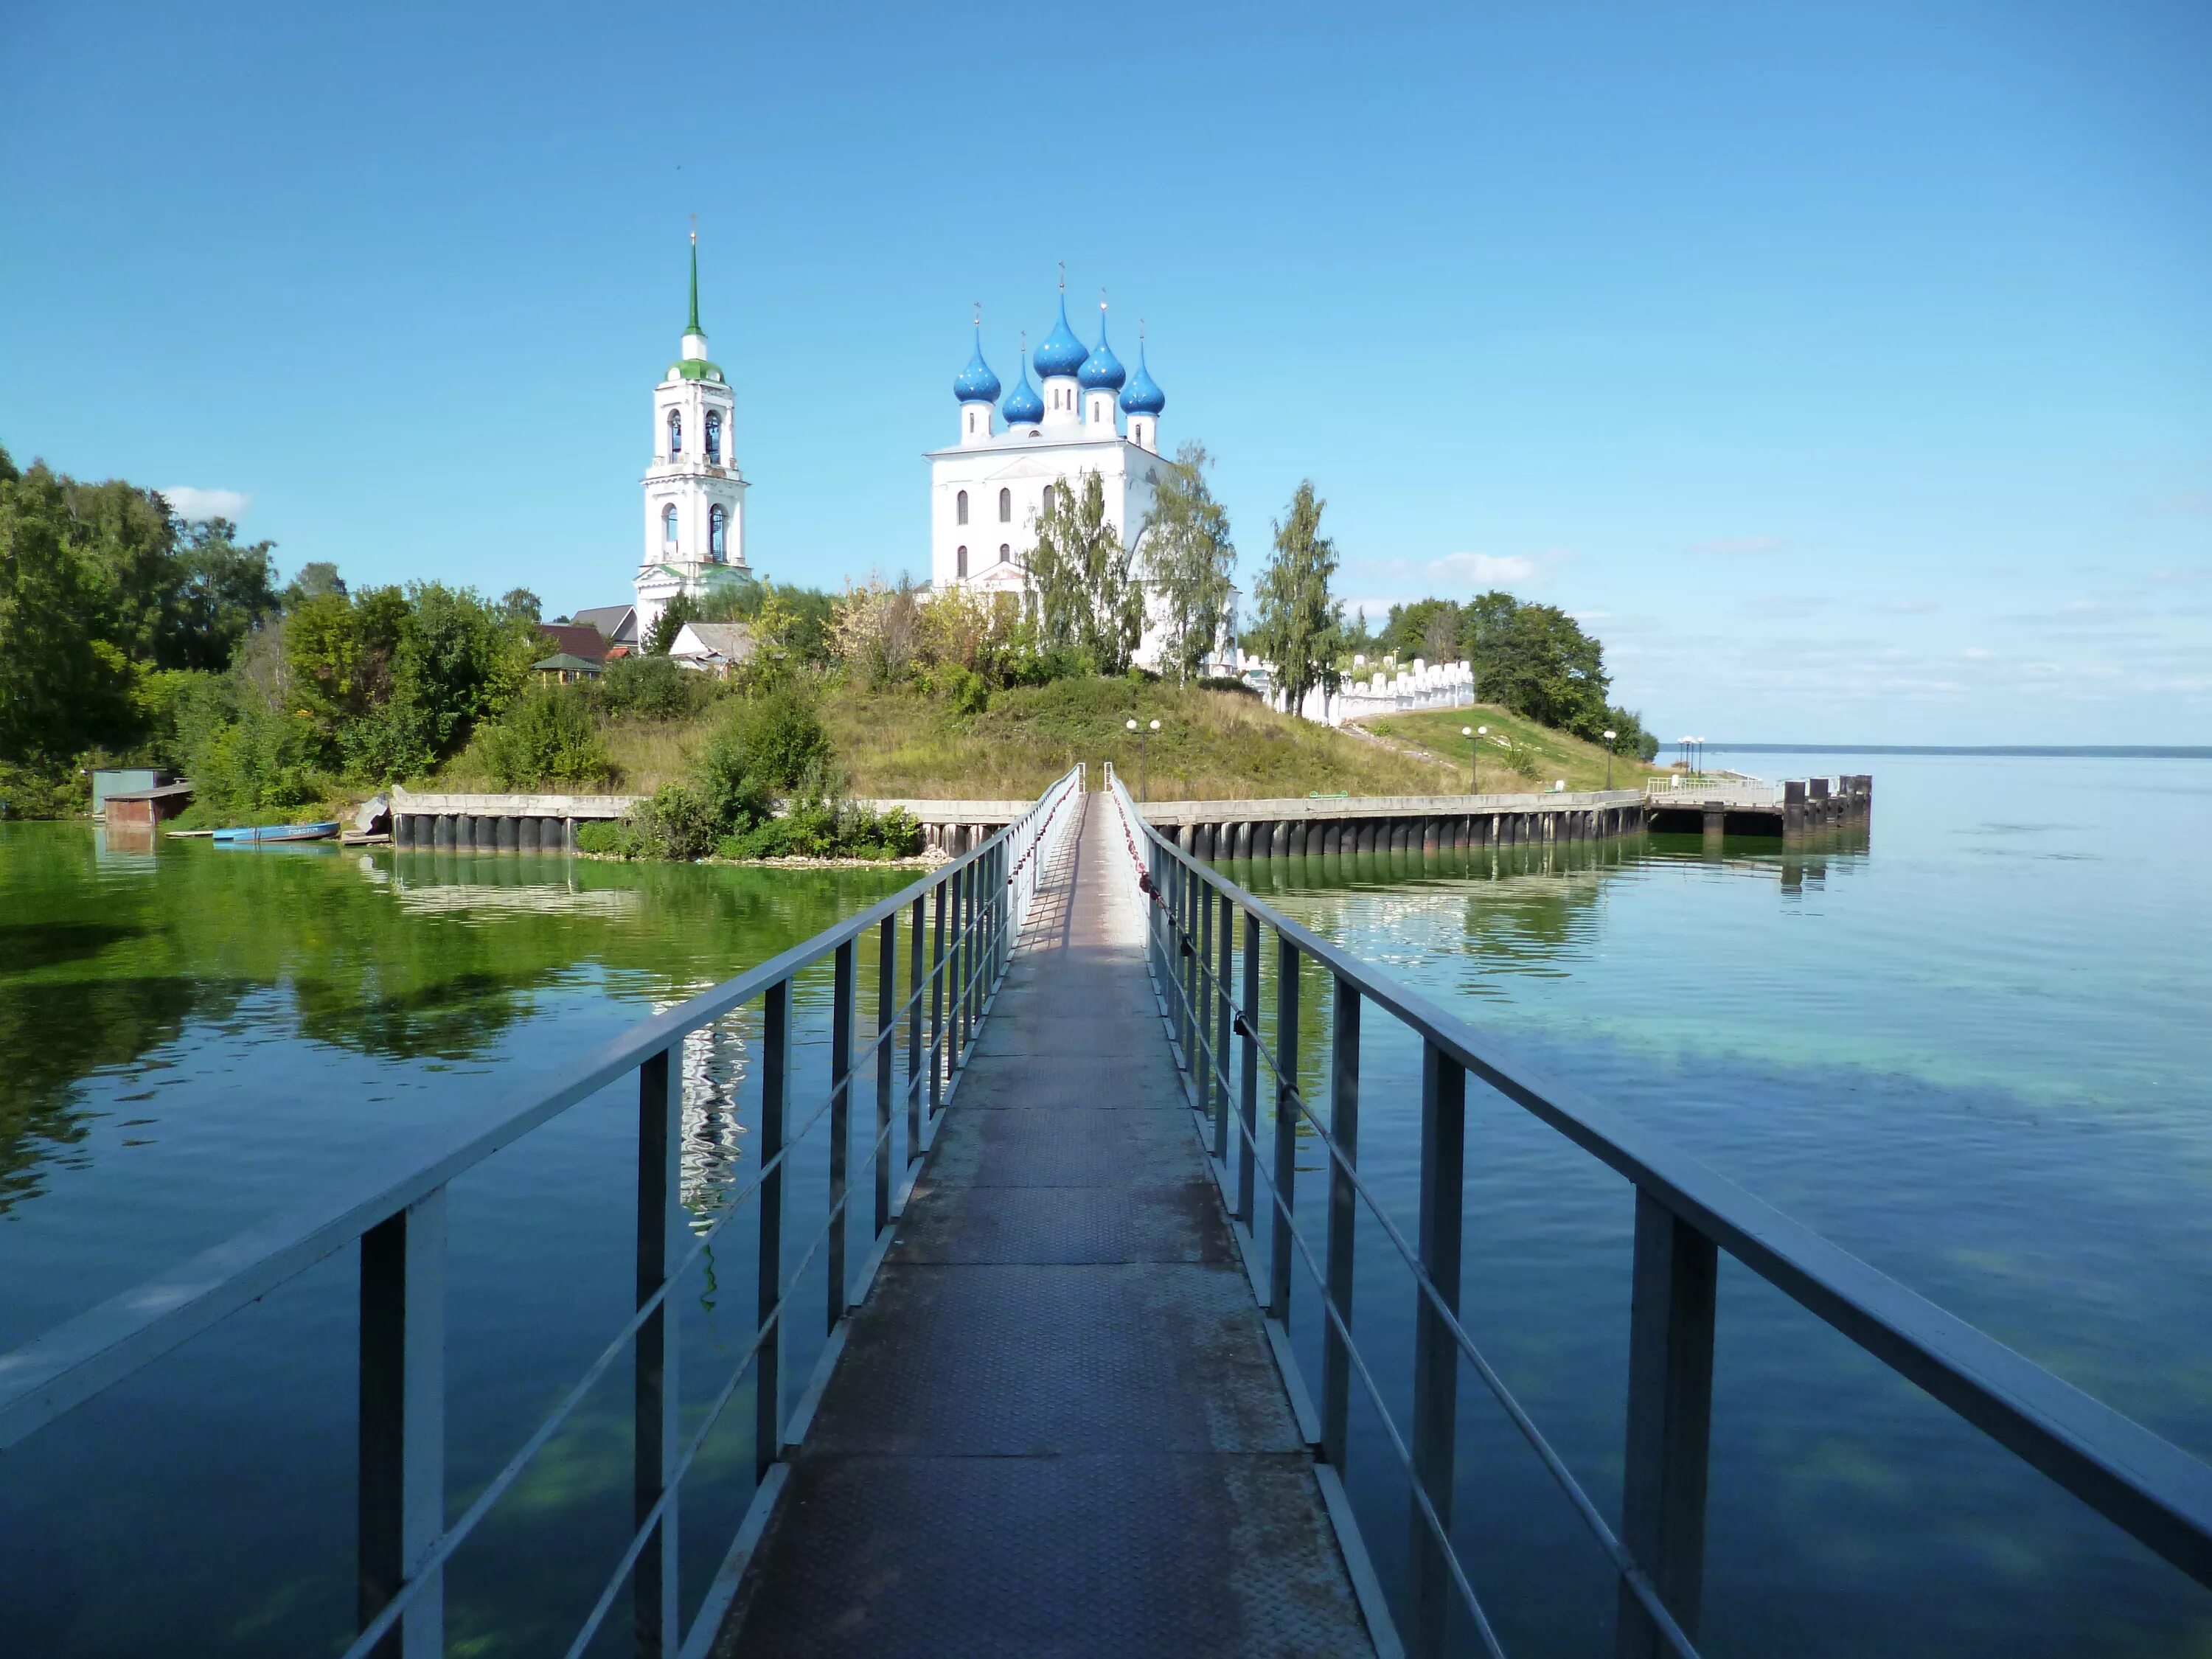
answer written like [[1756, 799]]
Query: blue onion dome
[[1102, 370], [1061, 352], [1024, 404], [976, 384], [1144, 395]]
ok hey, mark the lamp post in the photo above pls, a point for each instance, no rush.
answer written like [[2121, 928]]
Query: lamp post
[[1608, 757], [1467, 731], [1144, 792]]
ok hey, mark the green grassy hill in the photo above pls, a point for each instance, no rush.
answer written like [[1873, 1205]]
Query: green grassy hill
[[1518, 755]]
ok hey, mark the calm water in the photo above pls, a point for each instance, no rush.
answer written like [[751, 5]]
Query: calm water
[[1973, 1049]]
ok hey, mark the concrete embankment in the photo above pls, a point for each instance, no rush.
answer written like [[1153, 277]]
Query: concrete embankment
[[1317, 827], [546, 822]]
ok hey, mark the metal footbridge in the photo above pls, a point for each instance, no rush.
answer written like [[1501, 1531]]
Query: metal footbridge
[[1058, 1410]]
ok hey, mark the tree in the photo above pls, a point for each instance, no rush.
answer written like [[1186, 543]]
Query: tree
[[1079, 580], [1301, 626], [1188, 559], [313, 581], [63, 686], [682, 607], [1428, 629], [519, 604], [226, 591]]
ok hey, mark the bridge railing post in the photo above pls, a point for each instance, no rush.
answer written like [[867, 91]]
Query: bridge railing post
[[939, 1066], [1201, 939], [659, 1440], [1287, 1129], [1248, 1100], [916, 1014], [1436, 1354], [1186, 961], [401, 1494], [886, 1060], [841, 1122], [1225, 934], [775, 1103], [1670, 1395], [1343, 1217]]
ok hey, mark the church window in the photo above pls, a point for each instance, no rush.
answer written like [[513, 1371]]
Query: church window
[[714, 437], [960, 569], [1044, 506], [717, 523], [675, 432], [960, 508], [668, 524], [1004, 553], [1006, 507], [971, 420]]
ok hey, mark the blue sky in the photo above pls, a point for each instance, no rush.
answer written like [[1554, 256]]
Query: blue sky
[[1848, 368]]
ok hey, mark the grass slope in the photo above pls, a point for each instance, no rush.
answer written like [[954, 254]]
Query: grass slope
[[1519, 755], [1212, 746]]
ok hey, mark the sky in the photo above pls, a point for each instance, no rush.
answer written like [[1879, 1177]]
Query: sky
[[1846, 369]]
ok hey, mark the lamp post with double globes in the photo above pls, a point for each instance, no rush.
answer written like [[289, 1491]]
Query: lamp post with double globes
[[1144, 791], [1609, 737]]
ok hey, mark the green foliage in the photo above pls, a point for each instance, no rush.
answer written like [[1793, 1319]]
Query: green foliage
[[1301, 625], [773, 738], [617, 837], [653, 689], [1079, 580], [670, 622], [261, 762], [1189, 561], [546, 740], [224, 594], [28, 792], [315, 579], [65, 682], [1431, 630]]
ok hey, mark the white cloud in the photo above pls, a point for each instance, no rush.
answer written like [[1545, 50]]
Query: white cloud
[[1978, 653], [1486, 569], [1740, 546], [1907, 607], [193, 505]]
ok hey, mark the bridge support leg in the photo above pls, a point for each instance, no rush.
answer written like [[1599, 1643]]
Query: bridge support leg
[[1436, 1354], [1670, 1395]]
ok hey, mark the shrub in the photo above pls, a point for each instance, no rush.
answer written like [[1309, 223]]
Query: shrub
[[617, 836], [770, 742], [677, 823], [653, 689], [546, 738], [1226, 683]]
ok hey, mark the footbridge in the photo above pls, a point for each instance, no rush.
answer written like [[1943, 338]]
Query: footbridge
[[1047, 1282]]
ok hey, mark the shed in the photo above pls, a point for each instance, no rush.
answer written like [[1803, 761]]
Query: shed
[[121, 780], [715, 647], [563, 669], [144, 808]]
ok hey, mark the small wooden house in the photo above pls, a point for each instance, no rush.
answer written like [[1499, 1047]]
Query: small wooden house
[[142, 809]]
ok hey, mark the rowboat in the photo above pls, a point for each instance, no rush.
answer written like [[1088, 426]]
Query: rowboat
[[256, 835]]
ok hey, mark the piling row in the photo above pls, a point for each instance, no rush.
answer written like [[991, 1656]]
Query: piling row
[[483, 833], [1449, 832]]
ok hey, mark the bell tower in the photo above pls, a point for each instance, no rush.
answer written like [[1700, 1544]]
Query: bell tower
[[695, 496]]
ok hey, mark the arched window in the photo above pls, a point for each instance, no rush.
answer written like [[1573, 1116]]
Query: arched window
[[1006, 507], [1044, 507], [675, 432], [668, 524], [717, 527], [714, 437], [971, 420], [960, 508], [960, 569], [1004, 553]]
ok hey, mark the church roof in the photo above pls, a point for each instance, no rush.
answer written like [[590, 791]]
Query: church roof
[[1024, 404], [1061, 353], [976, 384], [1144, 395], [695, 368], [1102, 370]]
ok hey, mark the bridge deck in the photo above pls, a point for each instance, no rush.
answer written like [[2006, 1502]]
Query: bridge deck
[[1057, 1427]]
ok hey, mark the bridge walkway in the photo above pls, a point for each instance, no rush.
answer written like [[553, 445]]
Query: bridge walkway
[[1057, 1427]]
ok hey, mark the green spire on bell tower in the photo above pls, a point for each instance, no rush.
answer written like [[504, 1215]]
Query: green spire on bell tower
[[695, 328]]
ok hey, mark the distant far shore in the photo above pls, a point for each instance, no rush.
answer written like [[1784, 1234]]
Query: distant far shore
[[2050, 751]]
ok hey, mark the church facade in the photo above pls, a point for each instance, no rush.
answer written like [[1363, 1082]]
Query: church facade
[[694, 494]]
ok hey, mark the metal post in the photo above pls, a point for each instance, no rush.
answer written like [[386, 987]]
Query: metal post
[[959, 990], [659, 1436], [1224, 932], [1343, 1216], [1250, 1100], [841, 1120], [1287, 1128], [886, 1060], [916, 929], [1186, 958], [1201, 938], [775, 1103], [939, 1066], [1670, 1397], [401, 1495], [1436, 1354]]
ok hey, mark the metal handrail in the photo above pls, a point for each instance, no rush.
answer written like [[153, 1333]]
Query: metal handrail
[[994, 884], [2148, 1487]]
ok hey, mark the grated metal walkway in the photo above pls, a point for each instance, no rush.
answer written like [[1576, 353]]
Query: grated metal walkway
[[1057, 1428]]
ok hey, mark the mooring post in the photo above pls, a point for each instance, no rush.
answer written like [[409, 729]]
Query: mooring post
[[1286, 1130], [1343, 1217], [1670, 1394], [1435, 1353], [841, 1122], [659, 1440], [401, 1494], [775, 1101]]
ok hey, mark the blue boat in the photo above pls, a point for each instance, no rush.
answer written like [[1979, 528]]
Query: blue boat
[[258, 835]]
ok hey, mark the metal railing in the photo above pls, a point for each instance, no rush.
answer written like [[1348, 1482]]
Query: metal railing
[[1724, 788], [1685, 1215], [970, 913]]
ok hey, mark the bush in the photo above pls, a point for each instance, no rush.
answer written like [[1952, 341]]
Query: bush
[[677, 822], [617, 836], [653, 689], [59, 790], [547, 738], [1226, 683], [769, 743]]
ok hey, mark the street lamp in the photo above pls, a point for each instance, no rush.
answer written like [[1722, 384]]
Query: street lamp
[[1609, 737], [1473, 754], [1467, 731], [1143, 731]]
